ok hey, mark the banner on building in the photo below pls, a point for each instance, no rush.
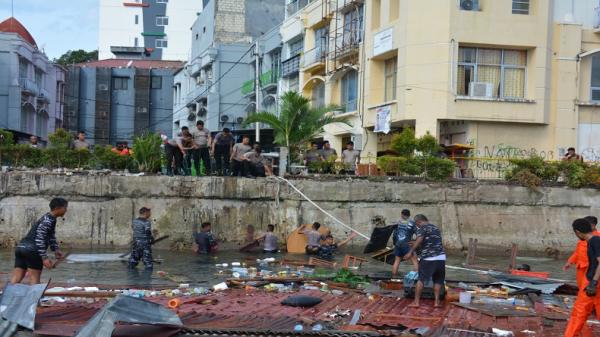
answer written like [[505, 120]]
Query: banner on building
[[384, 119]]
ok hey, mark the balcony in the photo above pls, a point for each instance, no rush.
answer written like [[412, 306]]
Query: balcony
[[314, 58], [198, 93], [347, 43], [347, 5], [296, 5], [290, 66], [44, 96], [269, 79], [248, 88], [28, 87]]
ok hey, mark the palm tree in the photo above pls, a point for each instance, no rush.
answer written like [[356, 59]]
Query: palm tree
[[297, 122]]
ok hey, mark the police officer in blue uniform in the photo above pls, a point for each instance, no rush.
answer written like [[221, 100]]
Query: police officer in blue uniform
[[142, 240]]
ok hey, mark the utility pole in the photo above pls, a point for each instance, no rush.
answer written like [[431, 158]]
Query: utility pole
[[257, 88]]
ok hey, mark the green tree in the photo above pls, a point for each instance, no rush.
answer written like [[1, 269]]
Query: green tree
[[298, 122], [77, 56]]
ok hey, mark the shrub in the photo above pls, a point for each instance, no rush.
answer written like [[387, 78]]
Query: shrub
[[146, 152], [6, 143], [575, 173], [527, 178], [438, 168], [546, 171], [428, 145], [104, 158], [405, 143]]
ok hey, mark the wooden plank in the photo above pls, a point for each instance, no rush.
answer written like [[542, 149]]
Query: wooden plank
[[296, 241]]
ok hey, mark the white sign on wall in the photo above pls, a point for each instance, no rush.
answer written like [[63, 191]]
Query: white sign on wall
[[383, 42], [384, 119]]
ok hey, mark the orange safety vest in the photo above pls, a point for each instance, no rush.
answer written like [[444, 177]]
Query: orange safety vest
[[579, 257]]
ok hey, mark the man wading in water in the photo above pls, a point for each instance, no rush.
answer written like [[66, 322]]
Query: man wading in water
[[31, 253]]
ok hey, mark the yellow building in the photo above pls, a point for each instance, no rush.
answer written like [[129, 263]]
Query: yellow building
[[510, 77]]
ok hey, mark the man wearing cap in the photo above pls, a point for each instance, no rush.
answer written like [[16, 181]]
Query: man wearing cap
[[141, 249]]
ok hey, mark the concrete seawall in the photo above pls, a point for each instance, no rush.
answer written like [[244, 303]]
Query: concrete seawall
[[101, 207]]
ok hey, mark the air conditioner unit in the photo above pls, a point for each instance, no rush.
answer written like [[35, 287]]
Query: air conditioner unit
[[481, 89], [199, 80], [240, 120], [224, 118], [201, 109], [469, 5]]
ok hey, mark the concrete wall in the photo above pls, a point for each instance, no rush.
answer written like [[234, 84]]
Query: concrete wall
[[102, 207]]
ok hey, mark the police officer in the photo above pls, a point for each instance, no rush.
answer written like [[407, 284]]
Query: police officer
[[142, 240]]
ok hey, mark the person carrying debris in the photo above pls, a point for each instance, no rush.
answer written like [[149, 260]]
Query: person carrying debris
[[579, 257], [31, 252], [328, 248], [205, 242], [314, 238], [588, 298], [432, 259], [403, 234], [270, 240], [142, 240]]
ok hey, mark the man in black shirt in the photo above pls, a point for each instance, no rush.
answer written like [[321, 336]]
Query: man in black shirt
[[588, 298], [205, 242], [31, 253], [142, 240]]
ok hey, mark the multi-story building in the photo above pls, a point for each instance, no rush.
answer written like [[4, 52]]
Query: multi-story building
[[154, 29], [209, 88], [323, 52], [114, 100], [31, 86]]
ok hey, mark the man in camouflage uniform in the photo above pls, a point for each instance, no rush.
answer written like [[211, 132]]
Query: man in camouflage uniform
[[142, 240]]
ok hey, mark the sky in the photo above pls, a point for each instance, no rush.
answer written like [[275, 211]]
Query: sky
[[57, 25]]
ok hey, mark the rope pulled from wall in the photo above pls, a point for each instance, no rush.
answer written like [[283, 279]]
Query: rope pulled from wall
[[320, 208]]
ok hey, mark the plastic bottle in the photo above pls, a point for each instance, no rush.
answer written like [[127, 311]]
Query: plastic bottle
[[317, 327], [298, 327]]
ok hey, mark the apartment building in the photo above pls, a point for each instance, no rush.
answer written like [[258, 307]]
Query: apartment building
[[323, 47], [114, 100], [31, 88], [211, 86], [152, 29]]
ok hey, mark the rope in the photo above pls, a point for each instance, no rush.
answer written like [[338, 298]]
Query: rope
[[319, 207]]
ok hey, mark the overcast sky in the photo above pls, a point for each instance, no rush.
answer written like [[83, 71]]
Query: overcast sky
[[57, 25]]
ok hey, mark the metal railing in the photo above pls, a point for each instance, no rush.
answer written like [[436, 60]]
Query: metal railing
[[315, 55], [29, 86], [269, 78], [248, 87], [290, 66], [295, 6]]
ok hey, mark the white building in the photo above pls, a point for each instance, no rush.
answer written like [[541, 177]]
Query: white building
[[154, 29]]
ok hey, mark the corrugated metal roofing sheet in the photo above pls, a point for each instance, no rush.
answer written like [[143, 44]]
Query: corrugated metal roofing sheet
[[7, 329]]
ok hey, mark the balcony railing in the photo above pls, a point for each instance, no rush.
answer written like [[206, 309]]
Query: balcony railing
[[44, 95], [314, 56], [29, 86], [295, 6], [347, 41], [290, 66], [248, 87], [269, 78]]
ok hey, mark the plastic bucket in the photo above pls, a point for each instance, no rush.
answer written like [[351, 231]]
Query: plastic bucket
[[464, 297]]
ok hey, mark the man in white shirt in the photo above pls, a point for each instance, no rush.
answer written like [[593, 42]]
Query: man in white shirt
[[202, 144], [350, 158]]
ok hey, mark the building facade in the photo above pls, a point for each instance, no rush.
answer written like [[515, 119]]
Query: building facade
[[153, 29], [209, 88], [31, 86], [113, 101]]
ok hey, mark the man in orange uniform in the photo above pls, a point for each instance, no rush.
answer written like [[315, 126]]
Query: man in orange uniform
[[579, 257], [588, 298]]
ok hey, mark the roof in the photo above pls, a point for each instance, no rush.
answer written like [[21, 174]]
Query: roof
[[12, 25], [132, 63]]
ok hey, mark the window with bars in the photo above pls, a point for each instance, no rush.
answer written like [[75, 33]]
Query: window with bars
[[161, 43], [162, 20], [156, 82], [296, 47], [120, 83], [391, 71], [595, 80], [501, 70], [136, 19], [520, 7]]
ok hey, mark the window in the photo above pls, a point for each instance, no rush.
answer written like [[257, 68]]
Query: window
[[520, 7], [156, 82], [136, 42], [162, 20], [197, 35], [120, 83], [137, 19], [276, 63], [23, 68], [160, 43], [296, 47], [318, 95], [595, 82], [391, 71], [162, 1], [321, 40], [39, 76], [350, 91], [353, 27], [495, 72]]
